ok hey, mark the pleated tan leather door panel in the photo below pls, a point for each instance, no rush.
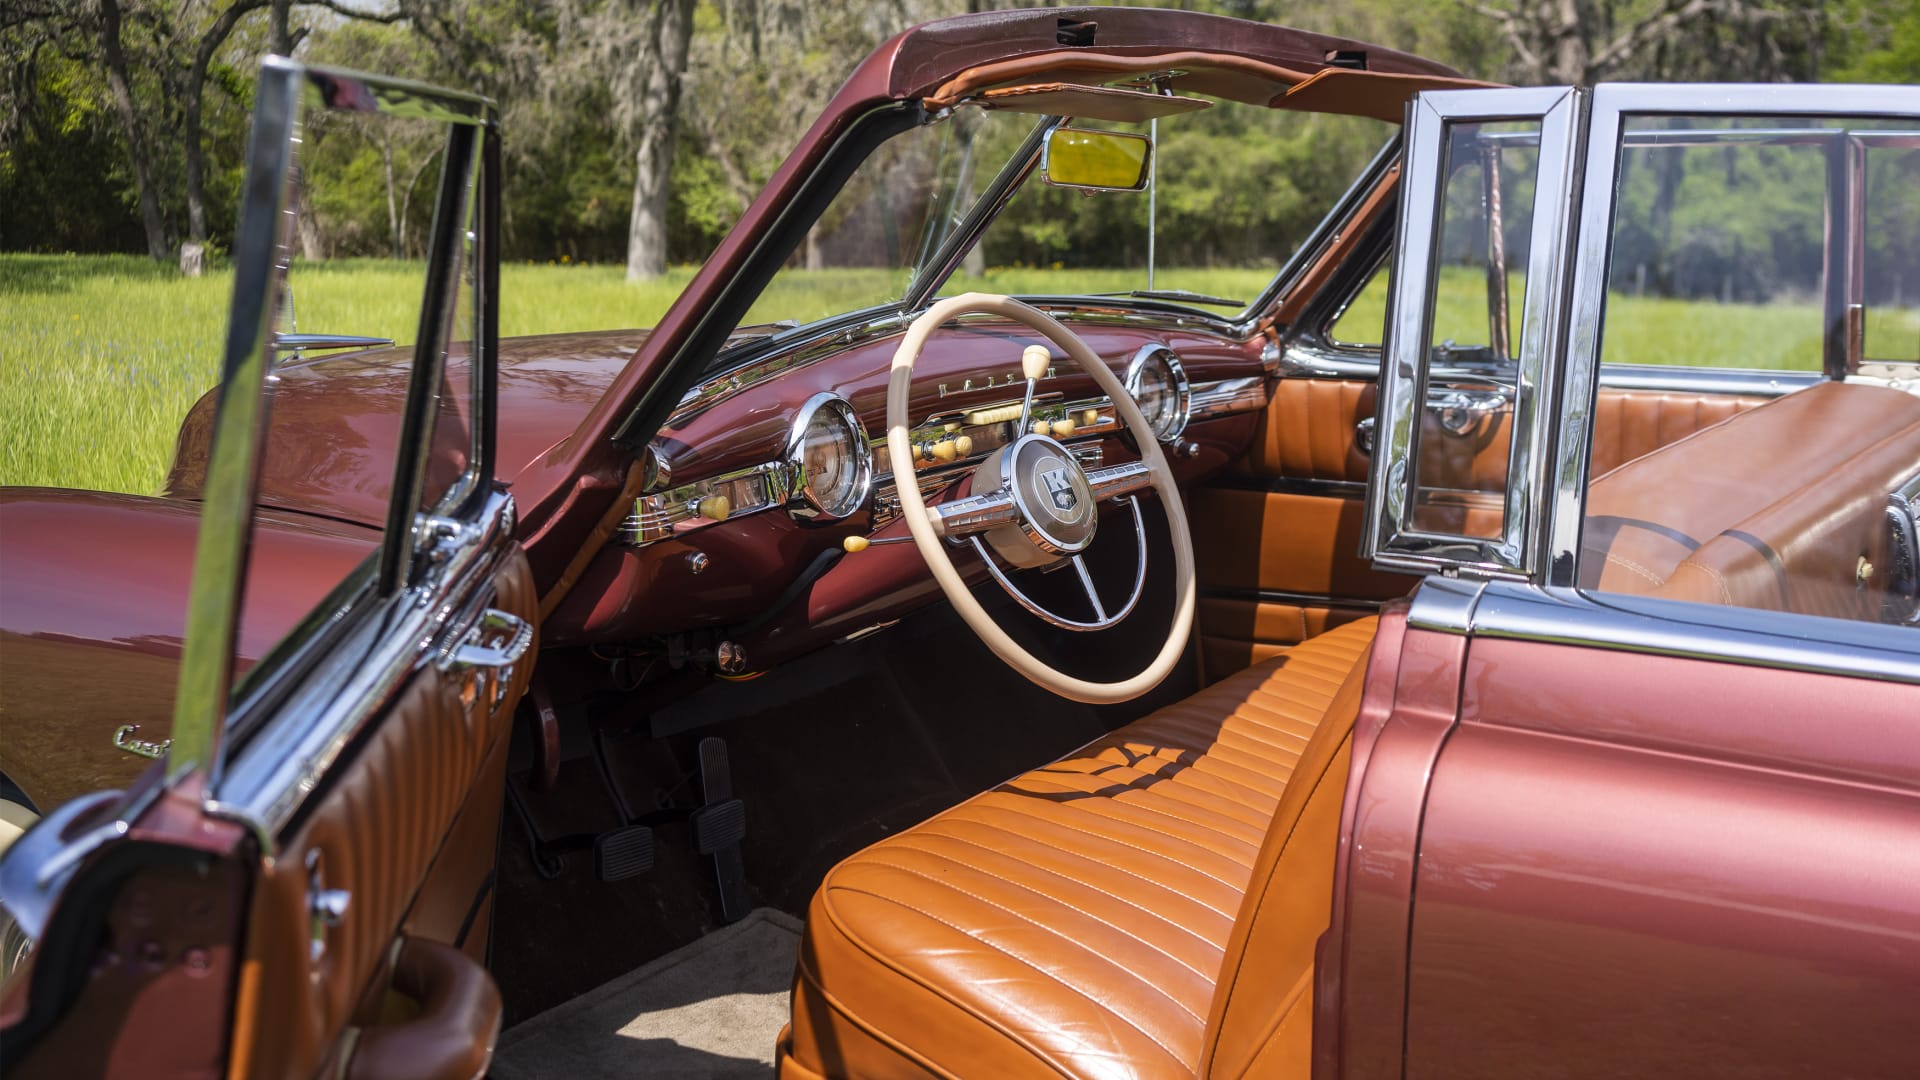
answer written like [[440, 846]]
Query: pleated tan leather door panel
[[407, 829]]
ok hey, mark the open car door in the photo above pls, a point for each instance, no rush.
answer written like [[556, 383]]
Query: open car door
[[302, 884]]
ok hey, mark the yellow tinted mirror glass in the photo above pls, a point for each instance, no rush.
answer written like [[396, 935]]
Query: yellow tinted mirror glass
[[1099, 160]]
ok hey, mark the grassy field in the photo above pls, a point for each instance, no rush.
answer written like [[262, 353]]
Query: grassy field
[[101, 356]]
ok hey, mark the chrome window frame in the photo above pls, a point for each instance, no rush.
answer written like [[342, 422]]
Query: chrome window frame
[[1389, 537], [420, 559], [1591, 248]]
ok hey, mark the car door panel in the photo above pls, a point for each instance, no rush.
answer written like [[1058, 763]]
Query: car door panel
[[408, 828], [1300, 492], [1745, 839]]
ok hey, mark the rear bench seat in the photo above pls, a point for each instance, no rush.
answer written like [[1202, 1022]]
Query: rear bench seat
[[1780, 507]]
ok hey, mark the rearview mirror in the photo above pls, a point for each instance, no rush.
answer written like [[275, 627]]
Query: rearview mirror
[[1096, 160]]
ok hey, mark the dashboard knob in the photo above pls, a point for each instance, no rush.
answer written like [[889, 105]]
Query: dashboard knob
[[854, 545], [1041, 427], [1062, 428], [944, 450], [714, 507], [964, 444], [1090, 417], [1034, 362]]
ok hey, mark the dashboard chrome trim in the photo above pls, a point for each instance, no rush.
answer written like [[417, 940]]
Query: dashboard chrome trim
[[1177, 375], [670, 509]]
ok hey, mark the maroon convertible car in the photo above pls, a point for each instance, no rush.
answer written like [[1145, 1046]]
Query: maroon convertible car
[[1502, 665]]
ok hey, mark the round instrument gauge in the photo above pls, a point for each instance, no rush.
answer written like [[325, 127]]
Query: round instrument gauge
[[832, 466], [1159, 386]]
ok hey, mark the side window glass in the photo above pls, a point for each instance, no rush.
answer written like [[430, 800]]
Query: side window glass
[[1718, 245], [1478, 292], [1359, 324], [1782, 243], [1890, 259]]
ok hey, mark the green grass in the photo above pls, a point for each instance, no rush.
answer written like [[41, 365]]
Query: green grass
[[1651, 330], [101, 356]]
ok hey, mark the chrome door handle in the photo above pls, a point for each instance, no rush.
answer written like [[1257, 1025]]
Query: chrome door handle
[[482, 646], [1462, 410], [1363, 436]]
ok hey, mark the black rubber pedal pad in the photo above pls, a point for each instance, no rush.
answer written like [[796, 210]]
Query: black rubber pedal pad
[[622, 853], [718, 826]]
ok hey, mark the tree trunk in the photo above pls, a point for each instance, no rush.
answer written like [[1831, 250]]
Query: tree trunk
[[123, 107], [279, 38], [191, 127], [653, 157], [393, 208]]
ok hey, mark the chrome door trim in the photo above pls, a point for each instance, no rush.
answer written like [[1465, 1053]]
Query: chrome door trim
[[1754, 637], [1388, 534]]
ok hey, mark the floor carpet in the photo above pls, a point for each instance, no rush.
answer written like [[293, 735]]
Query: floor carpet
[[710, 1009]]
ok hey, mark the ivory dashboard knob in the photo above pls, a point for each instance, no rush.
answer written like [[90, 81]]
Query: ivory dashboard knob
[[964, 444], [951, 426], [1062, 428], [945, 450], [1041, 427], [854, 545], [1034, 361], [1090, 417], [714, 507]]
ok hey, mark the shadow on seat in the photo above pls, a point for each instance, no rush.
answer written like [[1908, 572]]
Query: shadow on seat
[[1093, 917]]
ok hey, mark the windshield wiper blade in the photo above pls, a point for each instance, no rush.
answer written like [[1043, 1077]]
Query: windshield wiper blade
[[1186, 295]]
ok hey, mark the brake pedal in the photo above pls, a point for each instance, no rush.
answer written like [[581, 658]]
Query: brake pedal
[[622, 853], [718, 827]]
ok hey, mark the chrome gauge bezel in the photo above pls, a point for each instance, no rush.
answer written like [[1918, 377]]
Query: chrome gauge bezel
[[802, 503], [1176, 376]]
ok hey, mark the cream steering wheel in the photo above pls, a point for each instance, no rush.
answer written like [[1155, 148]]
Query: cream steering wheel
[[1035, 504]]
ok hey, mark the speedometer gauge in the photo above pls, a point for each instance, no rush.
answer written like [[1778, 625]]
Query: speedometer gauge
[[831, 465], [1159, 386]]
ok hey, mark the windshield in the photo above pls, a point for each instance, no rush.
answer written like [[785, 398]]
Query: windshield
[[1237, 189]]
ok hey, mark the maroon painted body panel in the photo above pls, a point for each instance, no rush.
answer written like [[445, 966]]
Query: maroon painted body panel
[[93, 592], [1406, 715], [336, 419], [1633, 864]]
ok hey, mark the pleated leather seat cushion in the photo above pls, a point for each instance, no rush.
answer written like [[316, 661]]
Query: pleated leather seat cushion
[[1074, 920]]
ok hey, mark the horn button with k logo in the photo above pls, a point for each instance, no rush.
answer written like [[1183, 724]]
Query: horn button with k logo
[[1051, 493]]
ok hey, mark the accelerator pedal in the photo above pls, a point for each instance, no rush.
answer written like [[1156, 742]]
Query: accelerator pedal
[[718, 827]]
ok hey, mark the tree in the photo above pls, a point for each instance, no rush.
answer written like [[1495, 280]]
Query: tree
[[635, 53], [1580, 42], [108, 26]]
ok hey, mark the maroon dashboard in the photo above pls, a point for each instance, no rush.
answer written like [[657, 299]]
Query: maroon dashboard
[[736, 534]]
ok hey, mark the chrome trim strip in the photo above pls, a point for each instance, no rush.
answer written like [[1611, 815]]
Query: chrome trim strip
[[668, 511], [1295, 599], [1735, 635], [1227, 397], [1684, 380], [1319, 363]]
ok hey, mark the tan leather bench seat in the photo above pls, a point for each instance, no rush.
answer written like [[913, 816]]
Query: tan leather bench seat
[[1083, 919], [1781, 507]]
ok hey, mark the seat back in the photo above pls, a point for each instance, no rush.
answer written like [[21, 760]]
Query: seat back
[[1261, 1019]]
